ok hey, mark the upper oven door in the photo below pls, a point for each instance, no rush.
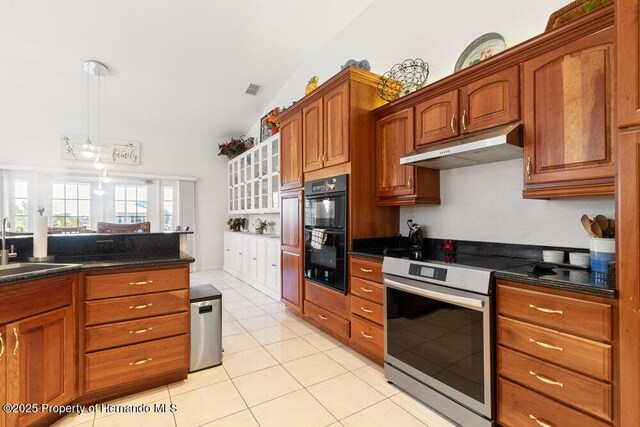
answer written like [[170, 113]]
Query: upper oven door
[[442, 337], [327, 211]]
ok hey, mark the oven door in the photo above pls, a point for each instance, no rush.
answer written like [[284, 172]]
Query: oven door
[[325, 258], [328, 211], [441, 337]]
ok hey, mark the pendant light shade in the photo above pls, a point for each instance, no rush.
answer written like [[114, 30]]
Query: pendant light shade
[[105, 178]]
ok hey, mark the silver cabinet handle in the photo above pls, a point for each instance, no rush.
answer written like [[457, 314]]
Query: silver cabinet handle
[[546, 310], [545, 345], [141, 362], [15, 348], [540, 422], [546, 380], [367, 336], [365, 310]]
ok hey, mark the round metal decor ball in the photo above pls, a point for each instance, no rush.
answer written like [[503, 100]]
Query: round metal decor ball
[[402, 79]]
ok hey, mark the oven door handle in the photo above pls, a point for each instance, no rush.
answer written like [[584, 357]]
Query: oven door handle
[[471, 303]]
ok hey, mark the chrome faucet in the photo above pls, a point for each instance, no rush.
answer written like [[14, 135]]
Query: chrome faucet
[[6, 254]]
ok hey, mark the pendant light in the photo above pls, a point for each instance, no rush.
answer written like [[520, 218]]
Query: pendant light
[[105, 177], [97, 69], [97, 163], [100, 190]]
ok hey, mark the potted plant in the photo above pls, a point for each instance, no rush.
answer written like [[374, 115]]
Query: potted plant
[[272, 121], [236, 224], [259, 225], [235, 147]]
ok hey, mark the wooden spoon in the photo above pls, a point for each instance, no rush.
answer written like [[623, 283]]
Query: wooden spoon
[[586, 223], [596, 230], [602, 221]]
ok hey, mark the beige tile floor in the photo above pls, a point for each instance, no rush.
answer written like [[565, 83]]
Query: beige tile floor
[[277, 370]]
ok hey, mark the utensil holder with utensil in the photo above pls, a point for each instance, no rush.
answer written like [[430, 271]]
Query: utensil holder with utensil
[[603, 251]]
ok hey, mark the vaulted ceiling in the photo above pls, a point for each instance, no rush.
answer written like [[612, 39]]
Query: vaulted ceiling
[[179, 66]]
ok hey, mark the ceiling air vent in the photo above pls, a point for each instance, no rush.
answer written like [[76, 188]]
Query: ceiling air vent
[[253, 89]]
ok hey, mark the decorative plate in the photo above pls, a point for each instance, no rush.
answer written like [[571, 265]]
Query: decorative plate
[[480, 49]]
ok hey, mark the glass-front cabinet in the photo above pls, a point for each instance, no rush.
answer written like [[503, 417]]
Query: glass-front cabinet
[[254, 179]]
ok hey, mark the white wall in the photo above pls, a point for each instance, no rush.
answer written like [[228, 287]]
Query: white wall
[[479, 202]]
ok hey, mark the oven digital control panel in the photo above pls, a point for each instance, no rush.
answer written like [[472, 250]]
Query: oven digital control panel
[[428, 272]]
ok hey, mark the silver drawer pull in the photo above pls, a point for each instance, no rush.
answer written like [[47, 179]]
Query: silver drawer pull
[[367, 336], [141, 331], [546, 310], [142, 282], [368, 291], [546, 380], [322, 317], [365, 310], [364, 270], [540, 422], [140, 307], [140, 362], [545, 345]]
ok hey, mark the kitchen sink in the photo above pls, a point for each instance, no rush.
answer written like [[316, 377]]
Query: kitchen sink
[[23, 267]]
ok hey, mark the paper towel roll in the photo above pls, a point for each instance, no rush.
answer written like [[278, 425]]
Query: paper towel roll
[[40, 236]]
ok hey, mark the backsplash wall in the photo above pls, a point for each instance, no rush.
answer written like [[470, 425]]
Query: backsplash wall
[[484, 203]]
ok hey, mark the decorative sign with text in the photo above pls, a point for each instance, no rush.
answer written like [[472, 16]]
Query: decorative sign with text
[[113, 151]]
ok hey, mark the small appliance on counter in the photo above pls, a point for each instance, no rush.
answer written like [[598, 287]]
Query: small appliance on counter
[[415, 240]]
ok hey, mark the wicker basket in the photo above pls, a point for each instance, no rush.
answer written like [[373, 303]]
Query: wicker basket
[[573, 10]]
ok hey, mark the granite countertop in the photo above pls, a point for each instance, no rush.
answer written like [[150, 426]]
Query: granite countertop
[[566, 279], [74, 264], [369, 253]]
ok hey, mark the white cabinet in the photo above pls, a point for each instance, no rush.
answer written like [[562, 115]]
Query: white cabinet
[[254, 259], [254, 179]]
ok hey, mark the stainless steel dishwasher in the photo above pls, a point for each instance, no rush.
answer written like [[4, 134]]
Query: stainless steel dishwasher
[[206, 327]]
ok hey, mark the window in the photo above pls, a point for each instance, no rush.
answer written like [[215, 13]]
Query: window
[[131, 204], [71, 205], [167, 198], [21, 204]]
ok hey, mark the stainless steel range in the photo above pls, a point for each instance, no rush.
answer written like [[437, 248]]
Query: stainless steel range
[[439, 333]]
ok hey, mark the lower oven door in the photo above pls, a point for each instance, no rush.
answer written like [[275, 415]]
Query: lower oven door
[[441, 337], [325, 258]]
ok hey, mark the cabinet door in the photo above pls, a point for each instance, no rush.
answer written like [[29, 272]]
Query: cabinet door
[[246, 255], [312, 139], [40, 362], [237, 252], [291, 222], [568, 102], [261, 260], [291, 152], [253, 257], [3, 376], [394, 139], [492, 101], [336, 125], [292, 279], [437, 118], [628, 76], [273, 265], [228, 251]]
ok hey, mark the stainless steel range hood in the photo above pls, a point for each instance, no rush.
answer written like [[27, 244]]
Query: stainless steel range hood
[[503, 143]]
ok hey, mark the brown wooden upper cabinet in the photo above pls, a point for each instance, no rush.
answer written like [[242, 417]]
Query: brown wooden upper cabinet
[[479, 105], [397, 184], [326, 129], [291, 152], [569, 142], [628, 76]]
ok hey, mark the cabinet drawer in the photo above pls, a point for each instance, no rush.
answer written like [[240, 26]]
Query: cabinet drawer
[[327, 319], [135, 362], [136, 282], [366, 289], [135, 307], [27, 299], [585, 318], [519, 407], [368, 310], [584, 393], [328, 299], [370, 270], [367, 335], [582, 355], [135, 331]]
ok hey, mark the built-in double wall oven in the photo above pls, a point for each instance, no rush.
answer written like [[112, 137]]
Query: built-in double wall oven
[[325, 232]]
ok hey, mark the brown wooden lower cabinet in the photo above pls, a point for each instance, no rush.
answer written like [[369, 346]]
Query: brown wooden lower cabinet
[[292, 281], [326, 319], [3, 374], [518, 406], [39, 366], [112, 368], [547, 375]]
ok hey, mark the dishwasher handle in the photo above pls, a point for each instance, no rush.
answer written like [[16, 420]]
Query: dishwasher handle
[[471, 303]]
